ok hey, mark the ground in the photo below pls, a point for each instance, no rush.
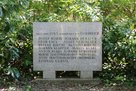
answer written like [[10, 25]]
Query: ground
[[42, 85]]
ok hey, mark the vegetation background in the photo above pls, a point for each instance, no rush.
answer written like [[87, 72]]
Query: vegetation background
[[119, 35]]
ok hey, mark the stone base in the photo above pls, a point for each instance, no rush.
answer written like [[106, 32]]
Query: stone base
[[49, 75], [86, 74]]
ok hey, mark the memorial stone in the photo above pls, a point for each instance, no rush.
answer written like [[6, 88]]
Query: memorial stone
[[67, 46]]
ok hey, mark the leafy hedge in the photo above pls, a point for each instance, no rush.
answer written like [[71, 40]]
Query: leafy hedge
[[119, 55]]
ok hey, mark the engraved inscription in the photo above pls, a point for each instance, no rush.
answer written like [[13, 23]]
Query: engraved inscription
[[62, 47]]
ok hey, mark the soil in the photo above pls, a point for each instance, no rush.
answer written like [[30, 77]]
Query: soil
[[42, 85]]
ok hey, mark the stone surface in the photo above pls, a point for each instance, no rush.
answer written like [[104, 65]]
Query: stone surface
[[67, 47], [49, 74], [86, 74]]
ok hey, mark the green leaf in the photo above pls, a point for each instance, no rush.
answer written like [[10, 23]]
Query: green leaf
[[13, 72], [27, 88], [1, 12]]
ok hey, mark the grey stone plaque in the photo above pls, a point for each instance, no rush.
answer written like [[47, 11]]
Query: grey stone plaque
[[67, 47]]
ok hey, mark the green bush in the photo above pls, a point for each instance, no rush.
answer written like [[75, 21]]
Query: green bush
[[119, 55]]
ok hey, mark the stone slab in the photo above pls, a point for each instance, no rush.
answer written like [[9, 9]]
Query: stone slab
[[67, 46]]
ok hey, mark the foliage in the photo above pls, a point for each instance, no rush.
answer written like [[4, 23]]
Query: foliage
[[119, 53], [119, 40], [15, 40], [119, 37]]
